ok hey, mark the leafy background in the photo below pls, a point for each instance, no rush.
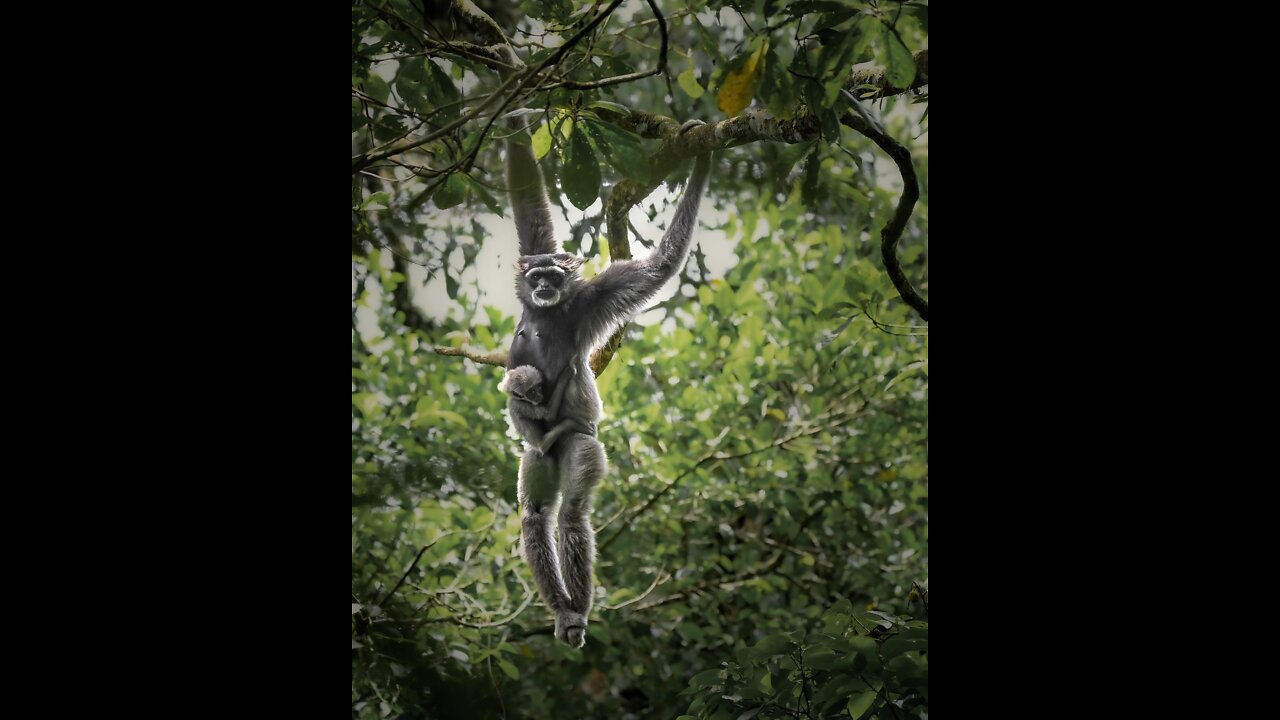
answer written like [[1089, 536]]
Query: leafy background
[[763, 525]]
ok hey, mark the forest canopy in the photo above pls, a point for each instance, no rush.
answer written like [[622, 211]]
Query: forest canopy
[[762, 526]]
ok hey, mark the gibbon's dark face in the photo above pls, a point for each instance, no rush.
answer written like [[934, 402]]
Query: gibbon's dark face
[[545, 279], [544, 285]]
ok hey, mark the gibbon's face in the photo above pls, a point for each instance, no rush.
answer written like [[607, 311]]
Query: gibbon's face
[[546, 278], [545, 284]]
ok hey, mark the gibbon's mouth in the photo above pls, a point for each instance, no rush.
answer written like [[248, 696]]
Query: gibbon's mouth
[[544, 294]]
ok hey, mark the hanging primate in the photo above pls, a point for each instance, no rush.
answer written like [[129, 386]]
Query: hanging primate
[[564, 319]]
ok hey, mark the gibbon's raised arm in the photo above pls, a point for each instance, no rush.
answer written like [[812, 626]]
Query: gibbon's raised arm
[[528, 197], [621, 290]]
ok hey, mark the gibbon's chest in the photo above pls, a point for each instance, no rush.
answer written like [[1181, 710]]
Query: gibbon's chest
[[543, 341]]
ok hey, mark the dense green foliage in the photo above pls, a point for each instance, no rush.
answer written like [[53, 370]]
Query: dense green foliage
[[763, 525]]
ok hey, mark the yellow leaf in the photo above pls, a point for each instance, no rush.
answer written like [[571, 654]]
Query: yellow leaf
[[541, 141], [739, 85]]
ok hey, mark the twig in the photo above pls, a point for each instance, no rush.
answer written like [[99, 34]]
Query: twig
[[528, 598], [656, 581], [412, 565], [618, 79]]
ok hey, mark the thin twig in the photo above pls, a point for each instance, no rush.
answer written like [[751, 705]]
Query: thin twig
[[657, 579], [617, 79], [528, 598], [412, 565]]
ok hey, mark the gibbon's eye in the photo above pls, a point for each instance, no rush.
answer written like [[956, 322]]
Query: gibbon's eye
[[552, 276]]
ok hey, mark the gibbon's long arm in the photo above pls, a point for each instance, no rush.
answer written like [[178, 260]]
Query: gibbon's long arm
[[528, 197], [621, 290]]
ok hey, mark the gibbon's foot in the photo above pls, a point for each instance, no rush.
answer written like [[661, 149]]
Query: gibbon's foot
[[571, 628], [689, 125]]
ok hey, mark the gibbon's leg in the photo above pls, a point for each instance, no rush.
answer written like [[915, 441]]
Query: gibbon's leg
[[582, 464], [537, 491]]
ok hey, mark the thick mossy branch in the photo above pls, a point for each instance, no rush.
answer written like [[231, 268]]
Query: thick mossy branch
[[500, 46], [876, 76], [497, 357]]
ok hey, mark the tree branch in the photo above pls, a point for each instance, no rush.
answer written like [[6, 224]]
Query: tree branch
[[893, 229], [497, 357], [876, 76], [487, 28]]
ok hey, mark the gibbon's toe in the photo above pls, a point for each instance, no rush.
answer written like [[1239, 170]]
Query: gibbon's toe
[[689, 125]]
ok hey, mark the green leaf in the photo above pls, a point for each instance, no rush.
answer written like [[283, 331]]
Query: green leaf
[[899, 66], [621, 149], [615, 107], [706, 678], [452, 192], [368, 404], [581, 176], [483, 193], [823, 659], [903, 643], [770, 646], [541, 141], [411, 84], [562, 123], [358, 119], [710, 45], [509, 668], [864, 645], [836, 59], [689, 84], [449, 415], [376, 87], [440, 88], [778, 87], [921, 14], [376, 201], [858, 704]]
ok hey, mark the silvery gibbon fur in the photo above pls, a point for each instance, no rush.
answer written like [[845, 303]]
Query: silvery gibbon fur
[[564, 319], [524, 384]]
